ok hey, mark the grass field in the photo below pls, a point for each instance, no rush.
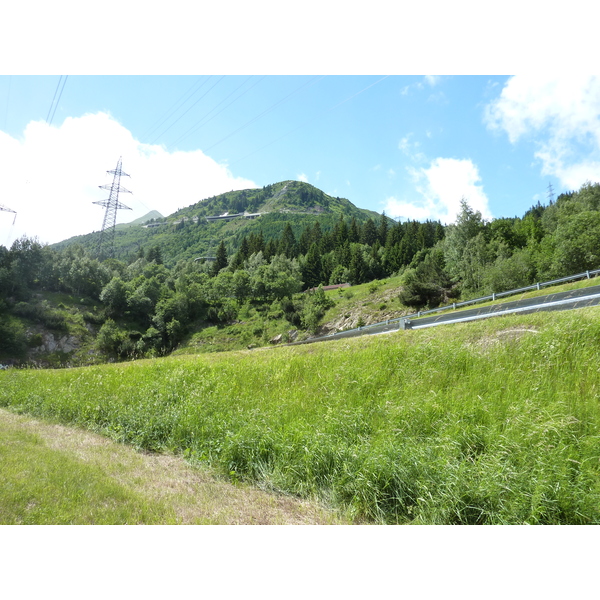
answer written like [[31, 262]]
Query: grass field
[[481, 423], [56, 475]]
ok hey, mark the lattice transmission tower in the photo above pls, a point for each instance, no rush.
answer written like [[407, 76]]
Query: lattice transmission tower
[[550, 194], [107, 233], [5, 208]]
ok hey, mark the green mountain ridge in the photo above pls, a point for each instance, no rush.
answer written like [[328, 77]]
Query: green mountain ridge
[[187, 234], [153, 214]]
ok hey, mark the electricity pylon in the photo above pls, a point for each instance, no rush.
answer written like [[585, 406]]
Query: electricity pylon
[[2, 207], [550, 194], [107, 233]]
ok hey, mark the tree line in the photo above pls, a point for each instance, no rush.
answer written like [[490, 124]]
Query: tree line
[[144, 308]]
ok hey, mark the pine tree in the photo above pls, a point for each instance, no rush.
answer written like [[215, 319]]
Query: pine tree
[[340, 232], [304, 242], [353, 233], [382, 231], [256, 243], [241, 255], [312, 267], [287, 243], [358, 267], [154, 255], [369, 233], [221, 259], [317, 234], [270, 250]]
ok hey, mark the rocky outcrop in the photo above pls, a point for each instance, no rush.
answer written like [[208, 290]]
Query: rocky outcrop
[[50, 342]]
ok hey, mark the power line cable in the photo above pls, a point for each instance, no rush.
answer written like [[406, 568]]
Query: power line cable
[[318, 115], [201, 124], [53, 98], [57, 99], [188, 110], [171, 110], [262, 114]]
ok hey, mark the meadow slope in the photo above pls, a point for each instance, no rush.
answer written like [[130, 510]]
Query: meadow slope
[[481, 423]]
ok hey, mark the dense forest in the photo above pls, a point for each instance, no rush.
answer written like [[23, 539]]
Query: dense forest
[[141, 306]]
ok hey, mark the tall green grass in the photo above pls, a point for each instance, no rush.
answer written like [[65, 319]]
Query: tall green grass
[[465, 424]]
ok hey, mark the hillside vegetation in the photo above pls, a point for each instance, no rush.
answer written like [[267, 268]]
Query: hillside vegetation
[[186, 234], [64, 305], [493, 422]]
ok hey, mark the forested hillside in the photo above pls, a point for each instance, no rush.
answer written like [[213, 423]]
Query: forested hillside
[[144, 304], [187, 234]]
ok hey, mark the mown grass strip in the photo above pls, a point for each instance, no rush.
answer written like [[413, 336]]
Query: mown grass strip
[[490, 422], [56, 475]]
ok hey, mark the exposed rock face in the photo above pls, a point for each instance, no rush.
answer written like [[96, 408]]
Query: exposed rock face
[[54, 343]]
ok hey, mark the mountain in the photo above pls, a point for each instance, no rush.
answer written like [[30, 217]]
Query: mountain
[[198, 229], [287, 196], [151, 216]]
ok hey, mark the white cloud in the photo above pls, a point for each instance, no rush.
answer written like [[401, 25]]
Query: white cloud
[[442, 186], [52, 173], [302, 177], [404, 143], [410, 148], [561, 115], [405, 210], [432, 79]]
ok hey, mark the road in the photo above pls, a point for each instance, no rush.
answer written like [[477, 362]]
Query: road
[[560, 301]]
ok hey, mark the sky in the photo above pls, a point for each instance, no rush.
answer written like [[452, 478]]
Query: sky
[[412, 145]]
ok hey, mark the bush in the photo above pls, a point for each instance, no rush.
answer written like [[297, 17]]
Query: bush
[[13, 341], [35, 341], [42, 314], [112, 340], [417, 293], [292, 311], [94, 318]]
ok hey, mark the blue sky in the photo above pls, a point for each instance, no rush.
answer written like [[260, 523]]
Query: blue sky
[[411, 145]]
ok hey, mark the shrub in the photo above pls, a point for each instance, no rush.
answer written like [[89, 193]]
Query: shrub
[[42, 314], [417, 293], [13, 341]]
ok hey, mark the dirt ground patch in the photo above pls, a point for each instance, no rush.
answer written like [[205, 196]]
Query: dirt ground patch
[[196, 496], [505, 336]]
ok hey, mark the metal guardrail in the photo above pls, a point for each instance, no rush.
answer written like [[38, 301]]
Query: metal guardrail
[[402, 320]]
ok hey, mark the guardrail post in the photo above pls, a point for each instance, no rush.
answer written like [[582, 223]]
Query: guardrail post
[[419, 313], [454, 305], [493, 296], [588, 274], [538, 286]]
